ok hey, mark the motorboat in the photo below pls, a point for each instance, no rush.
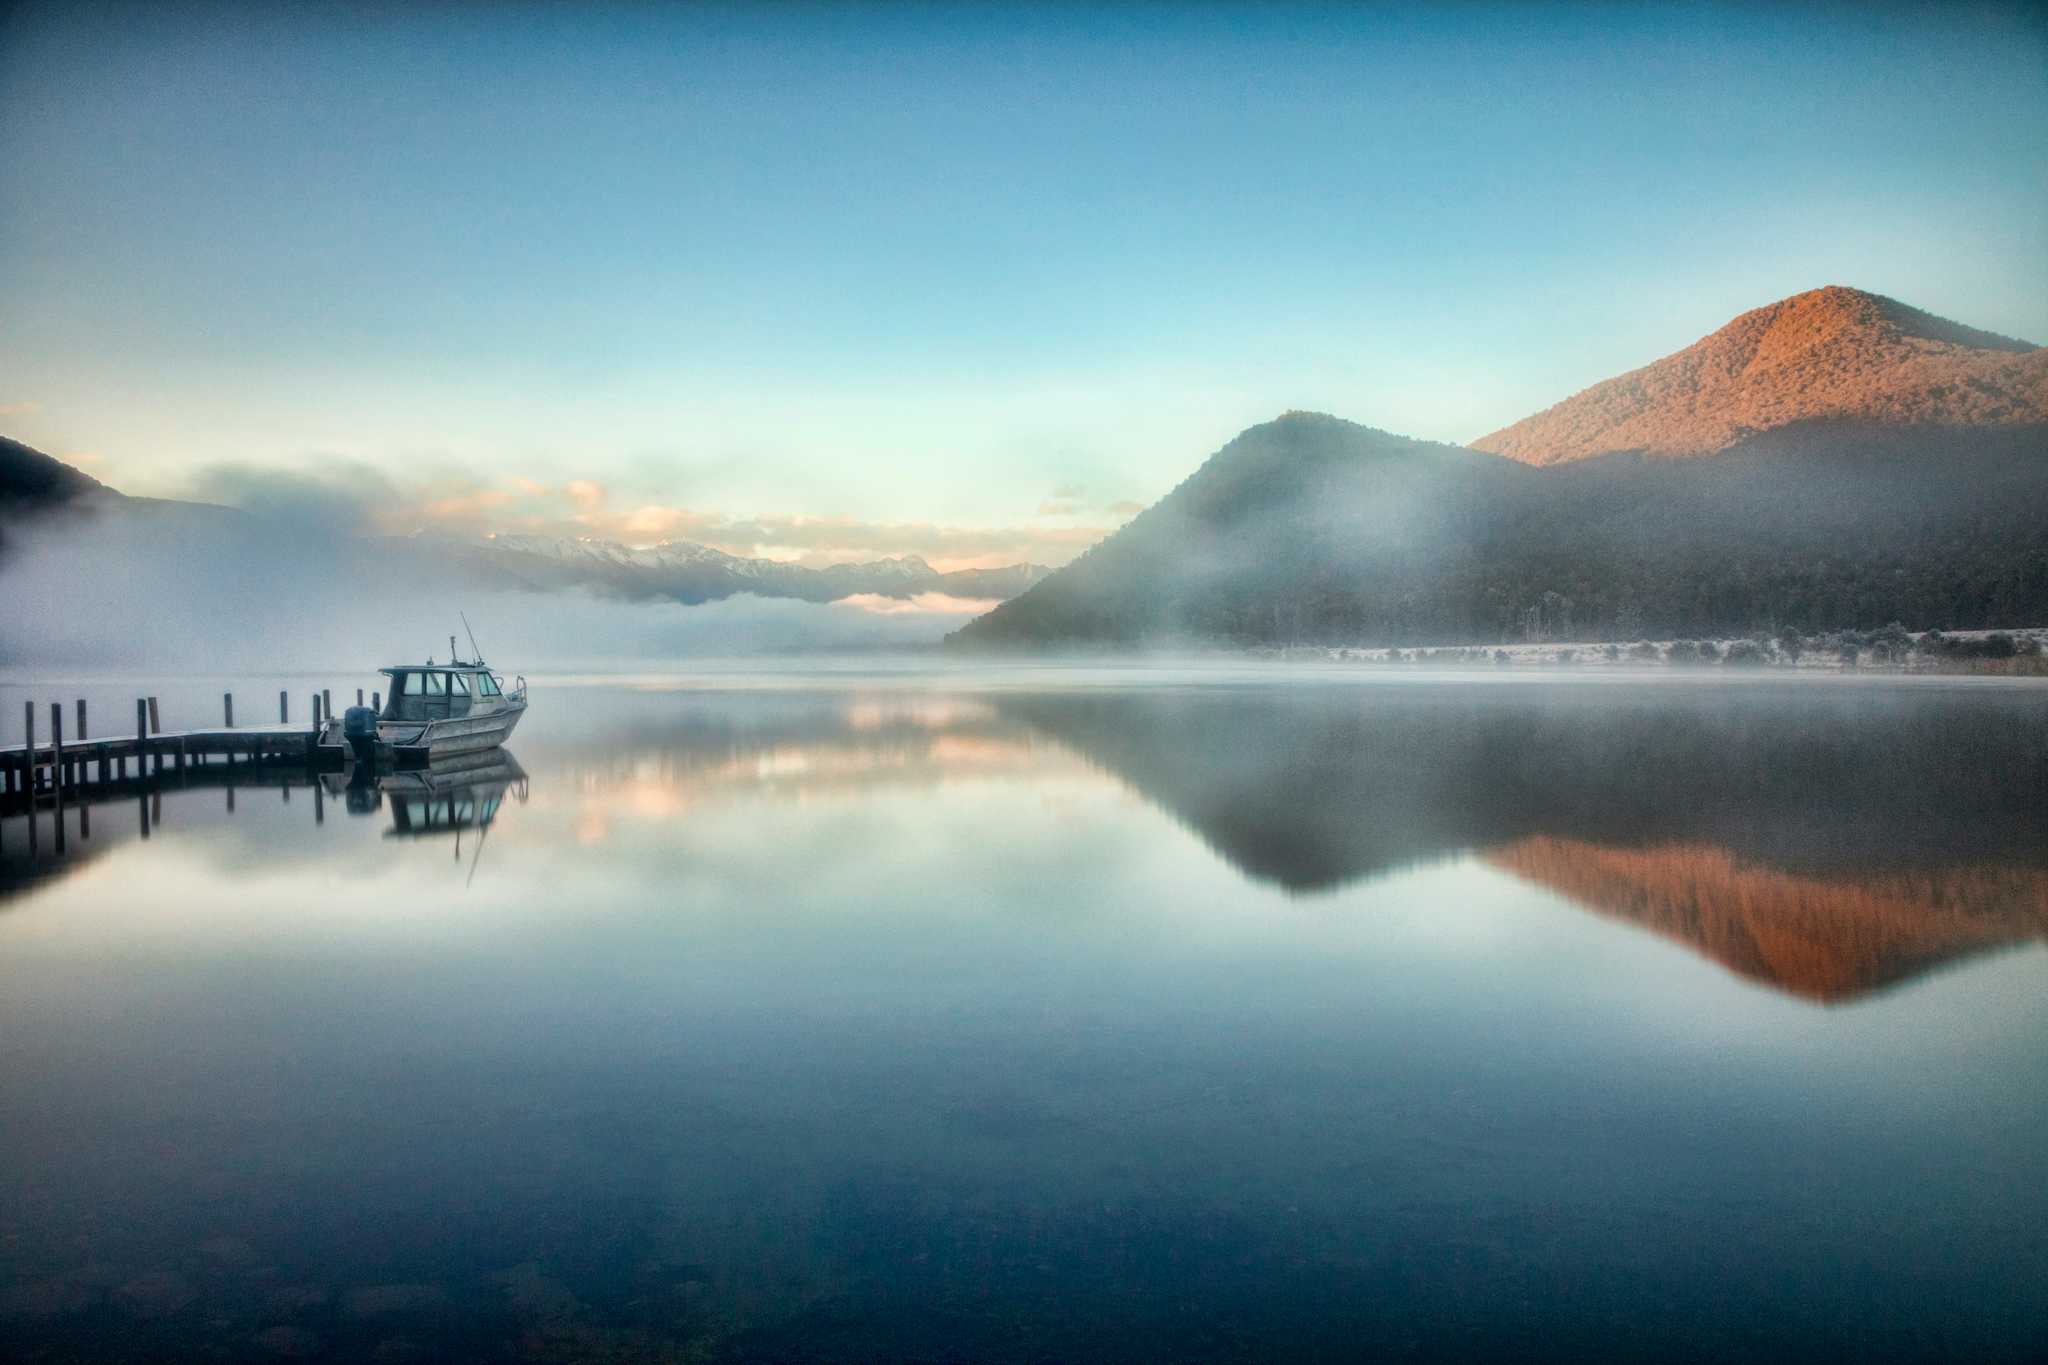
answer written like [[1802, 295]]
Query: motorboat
[[430, 711]]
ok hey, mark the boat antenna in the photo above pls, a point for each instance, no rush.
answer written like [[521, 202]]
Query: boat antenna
[[476, 655], [476, 857]]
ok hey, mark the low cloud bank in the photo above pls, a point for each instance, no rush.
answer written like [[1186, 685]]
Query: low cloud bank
[[348, 497], [216, 591]]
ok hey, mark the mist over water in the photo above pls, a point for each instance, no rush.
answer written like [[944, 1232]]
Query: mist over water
[[879, 1010], [203, 589], [1534, 849]]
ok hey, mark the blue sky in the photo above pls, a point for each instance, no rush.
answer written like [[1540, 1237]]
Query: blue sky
[[843, 278]]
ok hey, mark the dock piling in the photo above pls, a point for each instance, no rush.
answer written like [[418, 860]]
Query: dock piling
[[57, 768], [78, 768]]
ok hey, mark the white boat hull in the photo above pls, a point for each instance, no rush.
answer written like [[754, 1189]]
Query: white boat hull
[[413, 739], [455, 735]]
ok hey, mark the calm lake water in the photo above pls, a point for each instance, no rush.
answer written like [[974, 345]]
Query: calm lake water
[[866, 1014]]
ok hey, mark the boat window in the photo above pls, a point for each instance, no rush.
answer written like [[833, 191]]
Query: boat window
[[437, 684], [401, 685], [458, 683], [486, 685]]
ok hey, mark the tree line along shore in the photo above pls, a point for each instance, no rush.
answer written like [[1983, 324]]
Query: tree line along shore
[[1893, 649]]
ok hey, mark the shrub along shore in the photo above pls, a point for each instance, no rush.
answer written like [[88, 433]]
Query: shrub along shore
[[1894, 649]]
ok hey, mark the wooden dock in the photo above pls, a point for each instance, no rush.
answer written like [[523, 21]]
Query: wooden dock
[[82, 765]]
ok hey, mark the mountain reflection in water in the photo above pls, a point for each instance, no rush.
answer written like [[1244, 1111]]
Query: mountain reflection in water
[[1823, 842], [1112, 1015]]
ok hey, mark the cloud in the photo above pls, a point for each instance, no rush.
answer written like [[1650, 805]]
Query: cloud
[[1067, 492], [818, 541], [815, 542], [1124, 510], [20, 408], [342, 498], [923, 604], [125, 590], [349, 498]]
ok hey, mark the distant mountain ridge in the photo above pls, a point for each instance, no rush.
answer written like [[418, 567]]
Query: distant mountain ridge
[[1869, 463], [1832, 354], [32, 483], [683, 571]]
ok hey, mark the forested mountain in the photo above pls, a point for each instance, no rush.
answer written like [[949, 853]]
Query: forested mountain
[[32, 481], [1315, 530]]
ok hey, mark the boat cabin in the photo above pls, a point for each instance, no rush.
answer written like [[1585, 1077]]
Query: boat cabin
[[440, 691]]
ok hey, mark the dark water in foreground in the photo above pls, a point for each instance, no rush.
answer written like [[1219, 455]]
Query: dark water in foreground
[[1056, 1017]]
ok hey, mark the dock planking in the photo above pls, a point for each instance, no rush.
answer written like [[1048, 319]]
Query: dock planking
[[49, 763]]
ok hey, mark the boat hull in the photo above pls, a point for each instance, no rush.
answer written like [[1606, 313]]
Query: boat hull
[[413, 741], [455, 735]]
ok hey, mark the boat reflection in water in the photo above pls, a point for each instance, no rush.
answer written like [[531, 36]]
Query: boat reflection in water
[[1422, 1020], [446, 797], [44, 839], [1830, 843]]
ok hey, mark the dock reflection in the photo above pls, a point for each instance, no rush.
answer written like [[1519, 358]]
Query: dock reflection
[[1826, 843], [54, 834]]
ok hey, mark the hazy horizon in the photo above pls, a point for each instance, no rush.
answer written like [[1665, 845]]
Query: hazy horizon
[[861, 680], [837, 283]]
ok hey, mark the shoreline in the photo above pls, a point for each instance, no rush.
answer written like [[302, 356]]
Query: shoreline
[[2017, 652]]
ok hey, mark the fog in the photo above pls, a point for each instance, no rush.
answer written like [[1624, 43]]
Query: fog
[[170, 587]]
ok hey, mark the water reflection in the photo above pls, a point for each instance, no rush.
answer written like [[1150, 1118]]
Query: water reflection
[[1825, 843], [463, 793], [52, 834], [856, 1023]]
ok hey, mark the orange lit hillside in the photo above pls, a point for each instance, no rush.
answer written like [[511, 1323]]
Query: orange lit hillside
[[1830, 354], [1829, 940]]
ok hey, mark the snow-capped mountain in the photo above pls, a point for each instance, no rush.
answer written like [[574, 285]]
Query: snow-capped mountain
[[686, 572]]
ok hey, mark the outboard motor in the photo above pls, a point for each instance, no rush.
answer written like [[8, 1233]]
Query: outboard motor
[[365, 796], [359, 728]]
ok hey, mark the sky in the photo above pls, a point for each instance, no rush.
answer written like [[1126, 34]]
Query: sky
[[831, 282]]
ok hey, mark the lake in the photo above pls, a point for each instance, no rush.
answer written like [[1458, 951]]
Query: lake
[[871, 1011]]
